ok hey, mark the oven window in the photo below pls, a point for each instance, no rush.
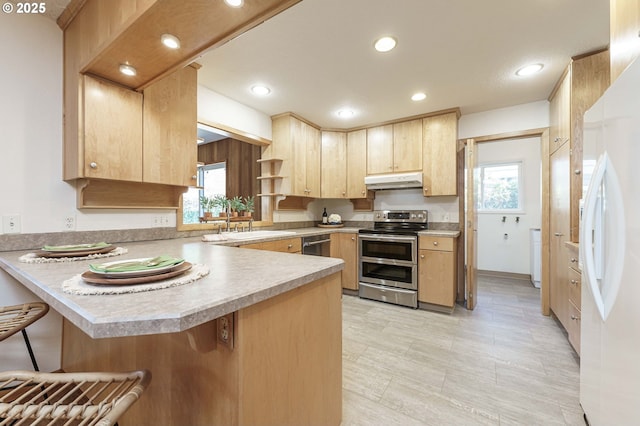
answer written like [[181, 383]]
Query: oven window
[[387, 250], [394, 275]]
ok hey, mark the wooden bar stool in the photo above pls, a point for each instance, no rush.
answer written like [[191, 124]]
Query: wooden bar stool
[[17, 318], [28, 397]]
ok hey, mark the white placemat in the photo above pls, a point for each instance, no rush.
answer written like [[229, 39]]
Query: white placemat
[[76, 284], [34, 258]]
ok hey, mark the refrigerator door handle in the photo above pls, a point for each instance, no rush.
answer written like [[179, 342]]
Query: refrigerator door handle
[[603, 278]]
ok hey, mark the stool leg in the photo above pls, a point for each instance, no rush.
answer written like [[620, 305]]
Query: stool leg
[[33, 358]]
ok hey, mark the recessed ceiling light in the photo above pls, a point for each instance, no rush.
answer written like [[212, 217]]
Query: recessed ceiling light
[[171, 41], [418, 96], [127, 69], [345, 113], [260, 90], [385, 44], [234, 3], [529, 69]]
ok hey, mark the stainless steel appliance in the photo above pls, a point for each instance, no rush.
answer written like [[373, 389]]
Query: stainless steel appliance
[[316, 245], [388, 257]]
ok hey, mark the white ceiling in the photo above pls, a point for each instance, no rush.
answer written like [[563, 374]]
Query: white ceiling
[[318, 56]]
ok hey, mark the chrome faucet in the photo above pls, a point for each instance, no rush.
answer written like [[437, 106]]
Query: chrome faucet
[[226, 209]]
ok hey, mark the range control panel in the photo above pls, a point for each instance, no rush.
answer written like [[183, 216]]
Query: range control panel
[[400, 216]]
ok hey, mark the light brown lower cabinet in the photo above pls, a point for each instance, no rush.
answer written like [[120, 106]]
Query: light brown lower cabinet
[[437, 270], [345, 246], [575, 299], [289, 245]]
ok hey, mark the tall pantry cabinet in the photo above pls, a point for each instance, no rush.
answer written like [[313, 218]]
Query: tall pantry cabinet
[[584, 81]]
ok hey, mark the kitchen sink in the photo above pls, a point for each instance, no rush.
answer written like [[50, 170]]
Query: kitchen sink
[[252, 235]]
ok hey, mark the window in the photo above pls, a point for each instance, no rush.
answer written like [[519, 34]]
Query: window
[[212, 180], [500, 187]]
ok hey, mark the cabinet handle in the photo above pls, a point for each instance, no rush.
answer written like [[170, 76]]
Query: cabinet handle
[[353, 238], [426, 189], [344, 193], [575, 318], [557, 139], [362, 192], [558, 234], [573, 260], [194, 177], [577, 171], [574, 282], [435, 243], [422, 256], [93, 165], [290, 245]]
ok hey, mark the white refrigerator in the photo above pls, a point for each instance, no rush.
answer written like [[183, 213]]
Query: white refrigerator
[[610, 256]]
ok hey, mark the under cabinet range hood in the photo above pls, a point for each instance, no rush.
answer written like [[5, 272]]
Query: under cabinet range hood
[[394, 181]]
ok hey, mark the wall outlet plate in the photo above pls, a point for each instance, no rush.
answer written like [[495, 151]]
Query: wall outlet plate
[[69, 223], [11, 224], [225, 330]]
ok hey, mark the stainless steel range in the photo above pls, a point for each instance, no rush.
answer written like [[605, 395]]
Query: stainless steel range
[[388, 257]]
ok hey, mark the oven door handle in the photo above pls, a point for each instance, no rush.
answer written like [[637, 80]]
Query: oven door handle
[[399, 238]]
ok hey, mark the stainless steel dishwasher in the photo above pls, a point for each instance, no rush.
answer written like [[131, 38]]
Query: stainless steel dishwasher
[[316, 245]]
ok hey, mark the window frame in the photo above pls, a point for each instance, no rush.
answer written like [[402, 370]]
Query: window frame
[[480, 197]]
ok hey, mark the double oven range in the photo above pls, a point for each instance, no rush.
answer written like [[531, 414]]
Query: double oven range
[[388, 257]]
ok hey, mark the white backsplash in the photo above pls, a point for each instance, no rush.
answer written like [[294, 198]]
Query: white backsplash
[[441, 209]]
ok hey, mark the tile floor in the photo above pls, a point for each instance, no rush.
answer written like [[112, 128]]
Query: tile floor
[[501, 364]]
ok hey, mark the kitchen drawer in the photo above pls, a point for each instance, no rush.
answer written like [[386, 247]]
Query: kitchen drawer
[[435, 243], [575, 287], [289, 245], [573, 329], [573, 260]]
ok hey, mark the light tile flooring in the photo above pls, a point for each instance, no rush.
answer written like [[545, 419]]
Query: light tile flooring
[[501, 364]]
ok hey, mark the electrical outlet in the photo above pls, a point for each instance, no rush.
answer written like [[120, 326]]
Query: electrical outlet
[[164, 220], [70, 223], [156, 222], [225, 330], [11, 224], [446, 217]]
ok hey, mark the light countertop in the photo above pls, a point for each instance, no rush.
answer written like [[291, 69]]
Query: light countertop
[[238, 278]]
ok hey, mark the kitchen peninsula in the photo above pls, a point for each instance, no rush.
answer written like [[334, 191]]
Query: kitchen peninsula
[[284, 366]]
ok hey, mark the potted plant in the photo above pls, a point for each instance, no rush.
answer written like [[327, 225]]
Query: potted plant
[[249, 204], [207, 205], [221, 201], [235, 204]]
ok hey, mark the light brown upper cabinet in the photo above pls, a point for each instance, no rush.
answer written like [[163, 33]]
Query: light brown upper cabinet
[[125, 135], [560, 113], [439, 154], [298, 144], [380, 150], [407, 146], [356, 164], [169, 122], [624, 27], [394, 148], [110, 134], [334, 165]]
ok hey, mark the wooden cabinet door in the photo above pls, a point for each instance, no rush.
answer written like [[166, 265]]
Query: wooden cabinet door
[[297, 157], [439, 154], [112, 131], [356, 163], [334, 165], [313, 143], [436, 277], [624, 16], [380, 150], [407, 146], [560, 230], [560, 114], [169, 121], [345, 246]]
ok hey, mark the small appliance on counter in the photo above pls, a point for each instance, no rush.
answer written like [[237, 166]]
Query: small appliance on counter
[[388, 257]]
